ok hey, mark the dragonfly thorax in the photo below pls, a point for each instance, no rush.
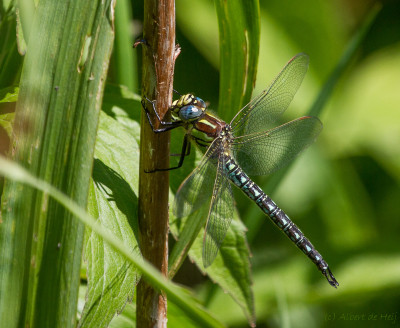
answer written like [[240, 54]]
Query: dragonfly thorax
[[188, 108]]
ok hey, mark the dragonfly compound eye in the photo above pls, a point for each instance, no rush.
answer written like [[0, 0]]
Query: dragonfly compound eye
[[190, 112], [199, 102]]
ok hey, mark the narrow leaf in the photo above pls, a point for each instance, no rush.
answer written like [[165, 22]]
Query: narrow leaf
[[53, 138], [239, 35], [176, 294]]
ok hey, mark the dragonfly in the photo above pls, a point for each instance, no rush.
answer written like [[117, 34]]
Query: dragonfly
[[248, 145]]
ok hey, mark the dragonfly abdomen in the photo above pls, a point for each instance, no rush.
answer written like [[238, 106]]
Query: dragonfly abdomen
[[277, 215]]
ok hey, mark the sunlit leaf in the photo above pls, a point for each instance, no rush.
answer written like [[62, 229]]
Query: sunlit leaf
[[9, 94], [239, 35], [231, 268], [113, 201]]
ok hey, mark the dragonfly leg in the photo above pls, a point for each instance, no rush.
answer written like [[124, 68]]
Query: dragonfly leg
[[166, 126], [187, 151], [186, 145]]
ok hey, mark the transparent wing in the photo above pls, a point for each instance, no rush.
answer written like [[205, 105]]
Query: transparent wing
[[197, 188], [265, 109], [219, 216], [266, 152]]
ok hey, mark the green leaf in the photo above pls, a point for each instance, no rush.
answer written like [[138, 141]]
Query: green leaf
[[124, 58], [239, 35], [123, 105], [6, 122], [239, 39], [20, 33], [8, 97], [231, 268], [176, 317], [127, 319], [9, 94], [115, 190], [185, 230], [54, 135], [239, 44], [205, 39], [113, 201], [176, 294], [10, 59]]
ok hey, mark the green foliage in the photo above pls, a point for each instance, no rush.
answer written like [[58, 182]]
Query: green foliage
[[177, 294], [230, 270], [239, 40], [113, 202], [343, 192]]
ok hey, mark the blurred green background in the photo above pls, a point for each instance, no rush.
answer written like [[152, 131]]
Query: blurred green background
[[343, 192]]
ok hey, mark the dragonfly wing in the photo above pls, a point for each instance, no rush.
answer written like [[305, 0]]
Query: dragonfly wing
[[264, 153], [266, 108], [219, 216], [197, 188]]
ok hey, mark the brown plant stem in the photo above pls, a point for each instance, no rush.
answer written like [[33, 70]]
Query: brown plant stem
[[157, 84]]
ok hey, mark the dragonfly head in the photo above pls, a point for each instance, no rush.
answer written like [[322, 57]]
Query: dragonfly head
[[188, 108]]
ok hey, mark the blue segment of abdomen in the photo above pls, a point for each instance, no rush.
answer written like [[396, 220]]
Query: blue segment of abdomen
[[278, 216]]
